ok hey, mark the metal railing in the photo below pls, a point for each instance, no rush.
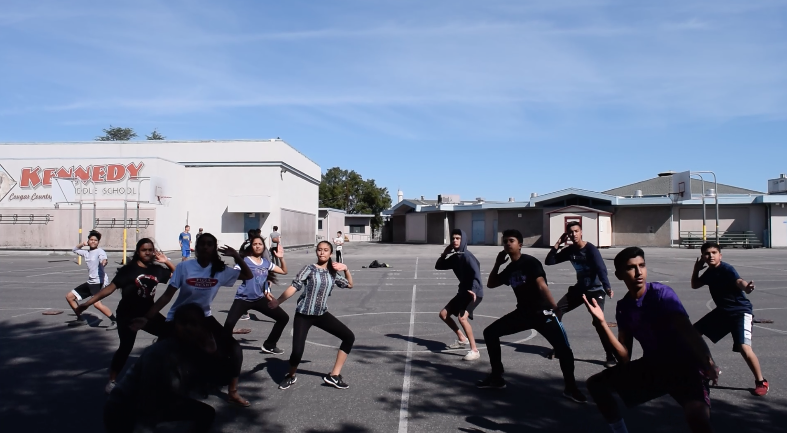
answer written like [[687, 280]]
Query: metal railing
[[29, 219], [744, 239], [113, 223]]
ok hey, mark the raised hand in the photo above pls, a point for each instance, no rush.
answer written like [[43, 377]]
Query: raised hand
[[279, 251], [501, 258], [228, 251], [594, 309], [699, 264], [339, 267], [161, 257]]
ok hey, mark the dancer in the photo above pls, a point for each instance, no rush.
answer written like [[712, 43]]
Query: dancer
[[198, 281], [185, 244], [592, 278], [96, 260], [137, 281], [156, 389], [733, 312], [675, 359], [317, 281], [467, 269], [338, 241], [254, 294], [534, 310]]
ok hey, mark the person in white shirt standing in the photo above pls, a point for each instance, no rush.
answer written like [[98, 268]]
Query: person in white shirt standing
[[274, 245], [338, 242], [96, 260]]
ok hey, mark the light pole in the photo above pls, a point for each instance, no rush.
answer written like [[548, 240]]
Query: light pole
[[716, 197]]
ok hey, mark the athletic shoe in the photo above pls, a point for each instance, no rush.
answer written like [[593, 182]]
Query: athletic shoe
[[336, 381], [610, 362], [77, 322], [575, 395], [273, 351], [761, 387], [552, 354], [112, 326], [289, 380], [491, 381], [110, 386], [459, 344], [245, 317], [472, 355]]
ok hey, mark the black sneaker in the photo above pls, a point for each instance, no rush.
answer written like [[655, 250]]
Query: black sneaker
[[610, 362], [575, 395], [495, 382], [273, 351], [289, 380], [552, 355], [336, 381]]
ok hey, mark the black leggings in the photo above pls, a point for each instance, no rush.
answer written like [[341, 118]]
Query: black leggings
[[328, 323], [339, 258], [521, 320], [573, 299], [156, 326], [121, 419], [240, 307]]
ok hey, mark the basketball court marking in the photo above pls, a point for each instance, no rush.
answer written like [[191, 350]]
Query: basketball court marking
[[404, 406]]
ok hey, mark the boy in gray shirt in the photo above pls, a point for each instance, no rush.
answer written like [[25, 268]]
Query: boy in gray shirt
[[96, 260]]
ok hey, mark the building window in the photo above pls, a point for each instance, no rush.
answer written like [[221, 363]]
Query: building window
[[357, 229], [319, 224]]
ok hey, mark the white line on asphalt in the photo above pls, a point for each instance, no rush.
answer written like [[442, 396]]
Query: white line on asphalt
[[54, 273], [403, 415]]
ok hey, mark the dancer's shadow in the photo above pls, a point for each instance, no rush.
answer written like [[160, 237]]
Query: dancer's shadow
[[489, 425]]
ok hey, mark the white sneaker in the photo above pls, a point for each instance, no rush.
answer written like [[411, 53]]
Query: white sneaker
[[459, 344], [110, 386], [245, 317], [472, 355]]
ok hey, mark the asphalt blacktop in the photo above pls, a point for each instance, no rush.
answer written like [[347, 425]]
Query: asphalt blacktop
[[52, 377]]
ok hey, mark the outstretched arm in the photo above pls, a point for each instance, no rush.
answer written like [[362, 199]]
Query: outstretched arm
[[103, 293], [287, 294]]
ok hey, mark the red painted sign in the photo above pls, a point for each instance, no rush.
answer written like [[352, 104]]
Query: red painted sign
[[35, 177]]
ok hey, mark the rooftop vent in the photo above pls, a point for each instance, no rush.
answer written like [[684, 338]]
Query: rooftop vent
[[638, 193], [511, 199], [533, 194]]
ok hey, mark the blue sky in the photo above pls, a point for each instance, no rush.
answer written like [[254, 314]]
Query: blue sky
[[495, 99]]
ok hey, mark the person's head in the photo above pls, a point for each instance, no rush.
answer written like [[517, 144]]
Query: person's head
[[324, 251], [456, 238], [251, 233], [275, 228], [200, 230], [630, 268], [93, 239], [512, 241], [711, 253], [256, 246], [145, 252], [257, 232], [190, 324], [338, 234], [574, 231], [208, 249], [187, 228]]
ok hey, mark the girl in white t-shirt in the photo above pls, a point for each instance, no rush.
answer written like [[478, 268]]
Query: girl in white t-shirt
[[255, 293], [338, 242], [198, 281]]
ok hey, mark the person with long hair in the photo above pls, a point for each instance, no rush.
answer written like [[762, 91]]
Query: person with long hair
[[96, 260], [137, 281], [156, 389], [254, 294], [316, 282], [198, 281]]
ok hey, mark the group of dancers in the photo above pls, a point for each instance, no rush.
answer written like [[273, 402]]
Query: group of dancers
[[195, 353]]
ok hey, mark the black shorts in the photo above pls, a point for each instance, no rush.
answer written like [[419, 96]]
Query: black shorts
[[641, 380], [462, 302], [86, 290], [718, 323]]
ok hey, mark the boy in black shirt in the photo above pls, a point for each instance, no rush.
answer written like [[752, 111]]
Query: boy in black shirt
[[592, 280], [534, 310], [137, 282], [733, 312]]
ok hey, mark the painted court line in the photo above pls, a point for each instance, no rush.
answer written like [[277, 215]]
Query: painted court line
[[403, 414]]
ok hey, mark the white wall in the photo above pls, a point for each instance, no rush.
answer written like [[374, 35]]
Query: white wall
[[557, 226], [778, 226]]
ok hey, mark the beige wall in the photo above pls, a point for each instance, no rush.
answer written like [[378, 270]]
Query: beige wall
[[489, 227], [464, 221], [416, 227], [64, 229], [641, 226], [557, 225]]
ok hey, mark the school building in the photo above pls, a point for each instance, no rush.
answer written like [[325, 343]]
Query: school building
[[643, 213], [153, 189]]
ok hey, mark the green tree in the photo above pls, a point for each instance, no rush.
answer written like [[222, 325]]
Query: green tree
[[155, 136], [347, 190], [116, 133]]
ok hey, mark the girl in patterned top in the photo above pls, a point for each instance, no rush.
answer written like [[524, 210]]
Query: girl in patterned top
[[316, 282]]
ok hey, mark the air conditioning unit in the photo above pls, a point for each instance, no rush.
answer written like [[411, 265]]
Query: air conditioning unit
[[778, 186]]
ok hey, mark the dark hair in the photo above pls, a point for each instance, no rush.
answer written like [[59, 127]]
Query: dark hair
[[217, 265], [456, 232], [189, 313], [330, 261], [275, 228], [94, 233], [627, 254], [572, 224], [512, 233], [140, 242], [340, 232], [251, 233], [187, 226], [710, 244]]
